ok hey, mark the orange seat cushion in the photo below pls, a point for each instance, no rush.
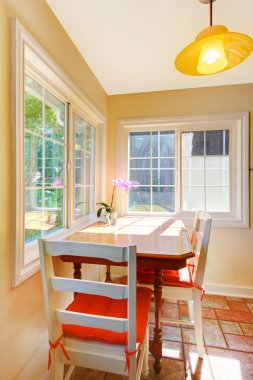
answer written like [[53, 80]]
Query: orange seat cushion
[[181, 277], [105, 306]]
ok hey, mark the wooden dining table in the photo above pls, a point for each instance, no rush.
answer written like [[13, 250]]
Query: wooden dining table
[[162, 243]]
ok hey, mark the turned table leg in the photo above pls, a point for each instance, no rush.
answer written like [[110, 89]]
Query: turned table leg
[[108, 274], [156, 347], [77, 272]]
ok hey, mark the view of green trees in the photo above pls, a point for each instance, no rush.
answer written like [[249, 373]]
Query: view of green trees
[[44, 160]]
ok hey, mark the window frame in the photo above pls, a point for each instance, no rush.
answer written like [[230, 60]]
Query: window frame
[[27, 56], [71, 210], [238, 125]]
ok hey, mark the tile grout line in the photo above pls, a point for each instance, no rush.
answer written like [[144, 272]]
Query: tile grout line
[[218, 320]]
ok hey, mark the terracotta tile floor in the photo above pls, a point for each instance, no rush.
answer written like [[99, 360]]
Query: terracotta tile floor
[[228, 338]]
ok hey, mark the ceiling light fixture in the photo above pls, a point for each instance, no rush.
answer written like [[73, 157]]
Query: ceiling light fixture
[[215, 49]]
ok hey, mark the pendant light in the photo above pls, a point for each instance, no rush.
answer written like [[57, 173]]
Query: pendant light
[[215, 49]]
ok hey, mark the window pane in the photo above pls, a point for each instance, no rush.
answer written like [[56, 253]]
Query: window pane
[[167, 162], [167, 144], [162, 171], [193, 171], [139, 199], [163, 144], [79, 132], [164, 177], [217, 199], [33, 160], [90, 139], [34, 215], [84, 167], [163, 163], [139, 163], [155, 144], [41, 220], [192, 144], [205, 179], [44, 161], [53, 198], [79, 170], [84, 135], [163, 199], [33, 106], [54, 117], [217, 143], [217, 171], [84, 198], [54, 164], [226, 142], [142, 176], [140, 144], [193, 198]]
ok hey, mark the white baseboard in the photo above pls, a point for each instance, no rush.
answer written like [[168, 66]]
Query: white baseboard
[[229, 290]]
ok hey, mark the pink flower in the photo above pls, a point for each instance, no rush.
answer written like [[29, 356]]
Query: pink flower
[[125, 184], [57, 182], [119, 182]]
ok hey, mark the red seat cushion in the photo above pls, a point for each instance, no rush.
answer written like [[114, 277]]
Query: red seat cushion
[[105, 306], [181, 277]]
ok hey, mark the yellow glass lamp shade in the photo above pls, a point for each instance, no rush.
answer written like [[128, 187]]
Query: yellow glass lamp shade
[[215, 49], [212, 57]]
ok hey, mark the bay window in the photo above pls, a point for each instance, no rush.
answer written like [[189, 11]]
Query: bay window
[[56, 137]]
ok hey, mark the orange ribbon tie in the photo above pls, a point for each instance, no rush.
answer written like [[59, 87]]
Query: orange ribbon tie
[[128, 354], [53, 346], [203, 290]]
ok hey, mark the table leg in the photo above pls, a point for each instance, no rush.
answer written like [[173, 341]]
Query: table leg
[[108, 274], [77, 272], [156, 347]]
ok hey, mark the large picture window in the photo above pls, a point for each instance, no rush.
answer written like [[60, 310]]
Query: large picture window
[[56, 136], [184, 165]]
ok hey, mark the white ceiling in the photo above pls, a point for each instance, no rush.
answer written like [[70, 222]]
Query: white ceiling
[[130, 45]]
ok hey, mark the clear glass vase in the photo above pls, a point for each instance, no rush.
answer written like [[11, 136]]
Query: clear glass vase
[[107, 218]]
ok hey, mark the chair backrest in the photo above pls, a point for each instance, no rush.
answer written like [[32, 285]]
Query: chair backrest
[[52, 285], [200, 241]]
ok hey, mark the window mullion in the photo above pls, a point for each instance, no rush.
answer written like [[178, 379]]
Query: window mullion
[[151, 174], [44, 157], [178, 170]]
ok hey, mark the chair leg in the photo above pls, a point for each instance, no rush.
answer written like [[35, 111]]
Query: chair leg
[[190, 308], [57, 368], [145, 367], [132, 368], [197, 311]]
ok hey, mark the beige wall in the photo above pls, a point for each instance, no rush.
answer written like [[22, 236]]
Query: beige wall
[[230, 258], [23, 334]]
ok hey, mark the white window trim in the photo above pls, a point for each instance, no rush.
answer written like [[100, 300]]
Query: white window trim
[[237, 123], [38, 61]]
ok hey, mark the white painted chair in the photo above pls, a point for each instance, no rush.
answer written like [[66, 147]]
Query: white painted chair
[[89, 332], [187, 283]]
